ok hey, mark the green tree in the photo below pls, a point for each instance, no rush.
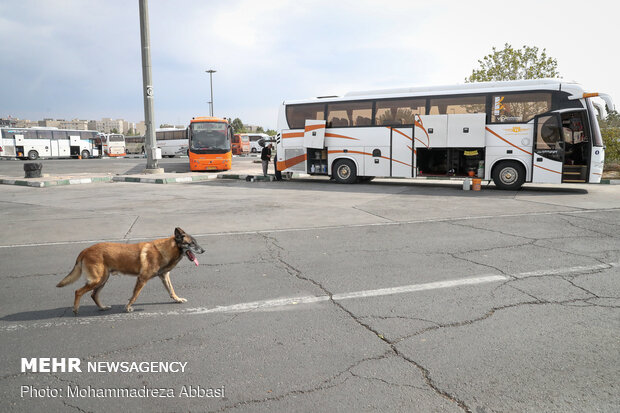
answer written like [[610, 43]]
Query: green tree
[[610, 129], [514, 64], [612, 120], [271, 132], [114, 130], [260, 130], [238, 126]]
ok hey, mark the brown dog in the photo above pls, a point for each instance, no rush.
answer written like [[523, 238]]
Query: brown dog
[[145, 260]]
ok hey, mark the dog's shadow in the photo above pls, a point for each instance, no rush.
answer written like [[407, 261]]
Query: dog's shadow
[[66, 312]]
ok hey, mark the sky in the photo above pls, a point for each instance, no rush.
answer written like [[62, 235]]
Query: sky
[[82, 58]]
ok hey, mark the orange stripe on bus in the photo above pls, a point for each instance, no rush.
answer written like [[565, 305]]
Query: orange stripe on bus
[[509, 143], [310, 128], [292, 135], [334, 135], [288, 163], [407, 136], [550, 170], [397, 131]]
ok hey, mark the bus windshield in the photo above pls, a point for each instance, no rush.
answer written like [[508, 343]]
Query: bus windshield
[[209, 135]]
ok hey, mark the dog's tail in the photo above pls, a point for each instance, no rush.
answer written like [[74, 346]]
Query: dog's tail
[[73, 275]]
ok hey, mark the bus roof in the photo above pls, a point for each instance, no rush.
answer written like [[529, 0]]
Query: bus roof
[[465, 88], [208, 119]]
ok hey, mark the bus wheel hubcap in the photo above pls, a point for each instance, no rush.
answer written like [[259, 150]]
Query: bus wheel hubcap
[[508, 175], [344, 172]]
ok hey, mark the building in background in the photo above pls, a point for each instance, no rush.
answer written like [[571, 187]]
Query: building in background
[[77, 124], [105, 125], [50, 123]]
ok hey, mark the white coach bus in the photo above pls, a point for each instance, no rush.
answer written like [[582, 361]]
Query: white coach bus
[[114, 144], [172, 141], [33, 143], [540, 131]]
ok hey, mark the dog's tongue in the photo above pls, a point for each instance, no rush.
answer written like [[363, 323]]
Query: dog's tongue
[[192, 257]]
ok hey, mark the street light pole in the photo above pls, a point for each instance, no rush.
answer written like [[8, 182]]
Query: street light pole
[[210, 72], [149, 138]]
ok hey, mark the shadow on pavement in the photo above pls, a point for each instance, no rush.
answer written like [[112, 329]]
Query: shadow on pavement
[[428, 188], [88, 310]]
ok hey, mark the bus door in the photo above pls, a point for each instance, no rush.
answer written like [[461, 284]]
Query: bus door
[[548, 150], [55, 151], [577, 146]]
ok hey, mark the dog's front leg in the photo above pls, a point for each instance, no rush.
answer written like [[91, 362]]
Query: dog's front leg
[[140, 283], [165, 279]]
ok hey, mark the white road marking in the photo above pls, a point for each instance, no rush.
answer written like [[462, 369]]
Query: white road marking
[[289, 301], [262, 305]]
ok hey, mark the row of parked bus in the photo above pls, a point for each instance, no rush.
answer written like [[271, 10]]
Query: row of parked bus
[[174, 142], [35, 143], [541, 131]]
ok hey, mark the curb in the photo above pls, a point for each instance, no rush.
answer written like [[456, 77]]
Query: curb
[[183, 179], [56, 182]]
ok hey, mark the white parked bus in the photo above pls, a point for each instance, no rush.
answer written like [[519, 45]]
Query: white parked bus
[[34, 143], [540, 131], [172, 141], [254, 138], [114, 144], [134, 144]]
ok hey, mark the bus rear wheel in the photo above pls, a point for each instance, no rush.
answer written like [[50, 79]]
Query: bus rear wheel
[[33, 155], [508, 175], [345, 171]]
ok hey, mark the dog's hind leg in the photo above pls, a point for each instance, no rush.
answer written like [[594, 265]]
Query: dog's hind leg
[[140, 283], [90, 285], [165, 279], [97, 290]]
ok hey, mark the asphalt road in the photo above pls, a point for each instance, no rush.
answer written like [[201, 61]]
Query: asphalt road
[[314, 296], [115, 166]]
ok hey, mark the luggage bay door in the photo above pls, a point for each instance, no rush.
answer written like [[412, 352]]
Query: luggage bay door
[[314, 134]]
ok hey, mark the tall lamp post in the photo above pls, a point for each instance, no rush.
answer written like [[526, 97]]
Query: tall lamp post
[[149, 138], [210, 72]]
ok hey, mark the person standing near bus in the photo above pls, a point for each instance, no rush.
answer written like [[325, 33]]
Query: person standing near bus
[[265, 156]]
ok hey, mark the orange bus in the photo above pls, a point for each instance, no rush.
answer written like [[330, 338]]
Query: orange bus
[[240, 144], [210, 144]]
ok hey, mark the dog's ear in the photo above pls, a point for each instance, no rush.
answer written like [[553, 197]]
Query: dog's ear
[[179, 233]]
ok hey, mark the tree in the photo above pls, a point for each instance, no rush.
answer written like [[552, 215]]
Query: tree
[[114, 130], [238, 126], [612, 120], [514, 64], [260, 130], [271, 132], [610, 129]]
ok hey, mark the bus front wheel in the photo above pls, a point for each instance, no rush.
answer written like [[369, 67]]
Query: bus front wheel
[[345, 171], [85, 154], [509, 175], [33, 155]]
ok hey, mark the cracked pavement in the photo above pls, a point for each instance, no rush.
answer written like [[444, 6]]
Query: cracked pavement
[[544, 337]]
